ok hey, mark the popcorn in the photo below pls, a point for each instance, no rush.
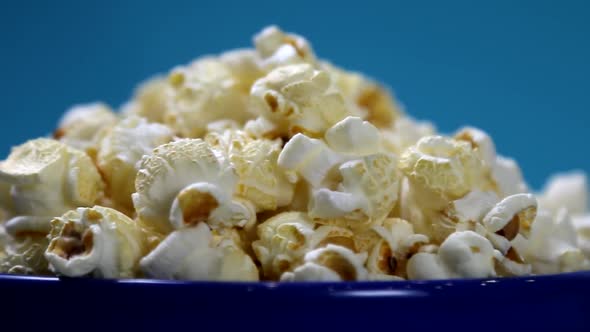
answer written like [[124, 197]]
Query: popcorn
[[277, 48], [447, 167], [121, 150], [332, 263], [438, 170], [261, 180], [462, 255], [369, 181], [480, 142], [183, 183], [366, 195], [582, 226], [398, 243], [297, 99], [566, 190], [283, 240], [271, 163], [508, 177], [96, 241], [553, 245], [149, 100], [23, 254], [6, 205], [513, 215], [82, 126], [204, 91], [405, 132], [375, 102], [47, 178], [244, 65], [196, 253]]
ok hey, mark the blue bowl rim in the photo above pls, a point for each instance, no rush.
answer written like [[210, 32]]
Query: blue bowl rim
[[403, 288]]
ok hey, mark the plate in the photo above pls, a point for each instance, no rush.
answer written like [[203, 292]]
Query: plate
[[539, 303]]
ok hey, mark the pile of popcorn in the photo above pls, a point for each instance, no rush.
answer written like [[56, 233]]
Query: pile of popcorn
[[272, 164]]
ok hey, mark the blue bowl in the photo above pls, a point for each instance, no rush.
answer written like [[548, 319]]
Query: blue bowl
[[540, 303]]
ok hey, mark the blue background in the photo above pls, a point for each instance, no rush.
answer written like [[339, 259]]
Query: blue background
[[517, 69]]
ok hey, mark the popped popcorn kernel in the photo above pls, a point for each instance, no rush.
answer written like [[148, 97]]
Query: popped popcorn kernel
[[204, 91], [188, 168], [120, 151], [98, 241], [375, 102], [150, 100], [46, 179], [255, 161], [297, 99], [83, 125]]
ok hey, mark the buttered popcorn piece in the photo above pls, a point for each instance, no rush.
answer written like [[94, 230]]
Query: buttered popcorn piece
[[23, 254], [405, 132], [282, 241], [365, 181], [149, 100], [204, 91], [331, 263], [397, 244], [96, 241], [277, 48], [47, 178], [374, 102], [297, 99], [255, 161], [183, 183], [196, 253], [447, 167], [508, 177], [462, 255], [6, 206], [553, 244], [438, 170], [82, 125], [566, 190], [121, 150]]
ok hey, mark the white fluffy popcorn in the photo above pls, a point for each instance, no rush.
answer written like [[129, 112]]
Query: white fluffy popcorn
[[553, 244], [183, 183], [508, 177], [282, 241], [195, 253], [332, 263], [582, 226], [352, 182], [277, 48], [405, 132], [271, 163], [374, 102], [120, 152], [96, 241], [149, 100], [47, 178], [255, 161], [82, 125], [462, 255], [297, 99], [566, 190], [204, 91], [397, 244], [23, 254]]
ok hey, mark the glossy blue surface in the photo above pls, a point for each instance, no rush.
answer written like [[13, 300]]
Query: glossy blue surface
[[541, 303]]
